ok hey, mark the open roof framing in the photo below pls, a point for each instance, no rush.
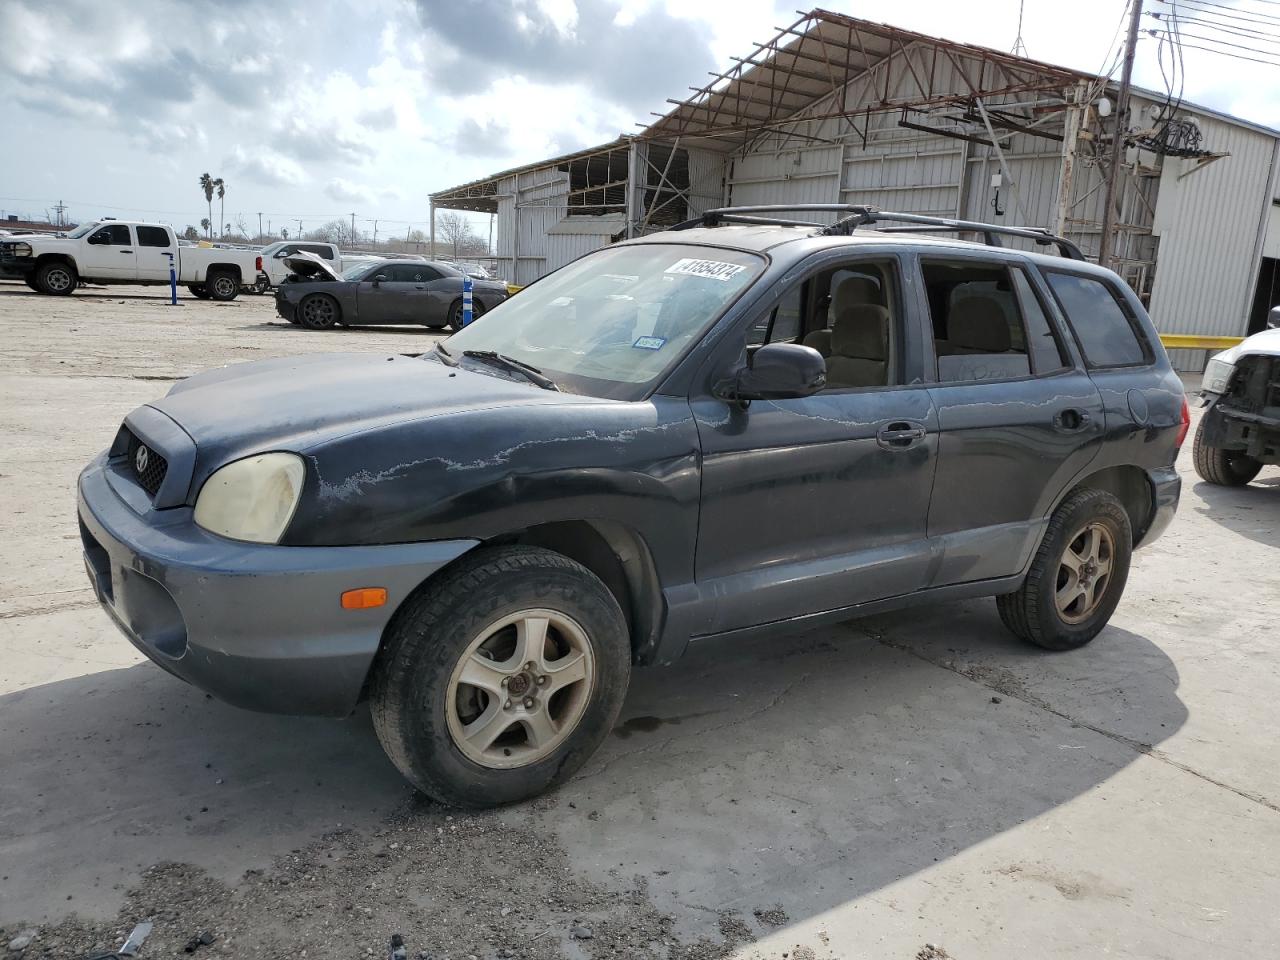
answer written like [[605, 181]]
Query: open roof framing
[[782, 85]]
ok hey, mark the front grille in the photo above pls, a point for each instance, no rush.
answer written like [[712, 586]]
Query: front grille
[[149, 468]]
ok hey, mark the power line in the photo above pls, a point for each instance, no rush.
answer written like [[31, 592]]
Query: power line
[[1230, 29], [1225, 43], [1224, 53], [1267, 19]]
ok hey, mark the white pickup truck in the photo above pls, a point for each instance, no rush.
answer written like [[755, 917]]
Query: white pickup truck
[[126, 251]]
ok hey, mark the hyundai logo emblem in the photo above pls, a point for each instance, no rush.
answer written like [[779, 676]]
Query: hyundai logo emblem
[[140, 459]]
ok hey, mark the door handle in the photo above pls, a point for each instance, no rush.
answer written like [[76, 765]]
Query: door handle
[[1071, 420], [419, 288], [899, 435], [126, 251]]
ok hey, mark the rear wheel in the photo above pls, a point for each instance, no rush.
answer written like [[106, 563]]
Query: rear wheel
[[198, 290], [319, 311], [222, 286], [1227, 468], [499, 680], [1077, 576], [57, 279]]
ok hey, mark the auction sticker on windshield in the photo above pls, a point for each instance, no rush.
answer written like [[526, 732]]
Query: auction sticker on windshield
[[710, 269], [650, 343]]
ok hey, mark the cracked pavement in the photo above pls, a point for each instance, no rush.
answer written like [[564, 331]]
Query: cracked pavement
[[918, 777]]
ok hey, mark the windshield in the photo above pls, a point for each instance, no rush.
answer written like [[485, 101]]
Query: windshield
[[612, 323], [81, 230], [356, 270]]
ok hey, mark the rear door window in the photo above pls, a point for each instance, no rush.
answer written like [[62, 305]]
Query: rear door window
[[153, 237], [978, 326], [1102, 325]]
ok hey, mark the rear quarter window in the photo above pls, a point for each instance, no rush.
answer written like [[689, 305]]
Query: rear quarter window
[[1102, 325]]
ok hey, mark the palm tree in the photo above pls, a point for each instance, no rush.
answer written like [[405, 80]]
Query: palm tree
[[206, 223], [222, 201], [206, 184]]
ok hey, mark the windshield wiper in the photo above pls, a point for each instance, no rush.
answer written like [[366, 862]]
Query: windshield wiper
[[530, 373], [445, 356]]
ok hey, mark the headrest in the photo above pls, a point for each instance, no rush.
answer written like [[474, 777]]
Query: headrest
[[853, 291], [820, 340], [861, 332], [978, 323]]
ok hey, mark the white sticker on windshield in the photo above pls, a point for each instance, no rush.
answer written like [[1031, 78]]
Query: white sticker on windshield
[[650, 343], [710, 269]]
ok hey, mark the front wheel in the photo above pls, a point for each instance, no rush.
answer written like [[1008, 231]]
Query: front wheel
[[500, 680], [57, 279], [1226, 468], [1077, 576], [454, 322], [319, 311], [222, 286]]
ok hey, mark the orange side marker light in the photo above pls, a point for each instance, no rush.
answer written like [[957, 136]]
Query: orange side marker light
[[364, 598]]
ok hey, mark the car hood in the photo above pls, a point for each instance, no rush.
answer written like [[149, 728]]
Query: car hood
[[297, 403], [1266, 343], [310, 266]]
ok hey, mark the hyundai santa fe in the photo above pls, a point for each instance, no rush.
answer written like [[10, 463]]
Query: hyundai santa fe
[[747, 423]]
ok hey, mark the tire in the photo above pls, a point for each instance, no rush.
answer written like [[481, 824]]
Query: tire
[[30, 282], [454, 322], [318, 311], [57, 279], [1034, 611], [421, 705], [1226, 468], [222, 286], [198, 290]]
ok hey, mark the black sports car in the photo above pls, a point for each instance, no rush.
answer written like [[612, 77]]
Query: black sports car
[[423, 292]]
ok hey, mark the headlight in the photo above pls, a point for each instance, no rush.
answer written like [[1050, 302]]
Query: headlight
[[19, 249], [252, 499], [1216, 375]]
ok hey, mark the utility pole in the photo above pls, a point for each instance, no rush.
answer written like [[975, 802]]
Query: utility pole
[[353, 229], [299, 236], [375, 234], [60, 208], [259, 224], [1118, 137]]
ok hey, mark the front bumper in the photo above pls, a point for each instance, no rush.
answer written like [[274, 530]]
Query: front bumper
[[1254, 433], [258, 626], [284, 306]]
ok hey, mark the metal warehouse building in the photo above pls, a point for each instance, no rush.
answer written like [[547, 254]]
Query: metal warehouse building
[[839, 110]]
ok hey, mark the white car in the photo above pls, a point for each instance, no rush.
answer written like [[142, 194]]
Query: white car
[[273, 257], [1240, 429], [126, 251]]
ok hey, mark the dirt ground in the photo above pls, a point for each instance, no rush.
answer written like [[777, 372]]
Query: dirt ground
[[913, 785]]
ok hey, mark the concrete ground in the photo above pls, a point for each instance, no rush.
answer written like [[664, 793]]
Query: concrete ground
[[861, 791]]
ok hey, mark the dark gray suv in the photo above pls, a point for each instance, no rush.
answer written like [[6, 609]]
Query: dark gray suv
[[744, 424]]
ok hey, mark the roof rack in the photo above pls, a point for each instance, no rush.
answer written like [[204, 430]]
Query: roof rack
[[859, 216]]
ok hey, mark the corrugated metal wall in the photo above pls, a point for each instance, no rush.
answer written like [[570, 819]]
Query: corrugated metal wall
[[1208, 223], [541, 205]]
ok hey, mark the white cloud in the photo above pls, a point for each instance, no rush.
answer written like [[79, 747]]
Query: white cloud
[[265, 167], [345, 191]]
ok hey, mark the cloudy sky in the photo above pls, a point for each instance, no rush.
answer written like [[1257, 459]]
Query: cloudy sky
[[316, 110]]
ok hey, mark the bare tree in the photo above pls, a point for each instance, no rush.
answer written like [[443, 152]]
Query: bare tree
[[456, 231], [335, 231], [190, 233]]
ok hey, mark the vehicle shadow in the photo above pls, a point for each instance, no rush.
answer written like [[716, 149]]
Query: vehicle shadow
[[812, 770], [1252, 511], [805, 770]]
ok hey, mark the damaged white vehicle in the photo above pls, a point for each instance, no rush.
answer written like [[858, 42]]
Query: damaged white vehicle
[[1240, 430]]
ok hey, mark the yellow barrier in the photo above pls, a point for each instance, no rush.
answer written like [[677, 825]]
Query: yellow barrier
[[1191, 341], [512, 289]]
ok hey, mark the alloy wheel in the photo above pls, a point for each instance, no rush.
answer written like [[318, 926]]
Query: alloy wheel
[[1084, 573], [520, 689], [57, 279]]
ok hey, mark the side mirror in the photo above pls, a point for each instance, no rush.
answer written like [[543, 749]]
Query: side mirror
[[1273, 319], [777, 371], [380, 278], [98, 238]]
